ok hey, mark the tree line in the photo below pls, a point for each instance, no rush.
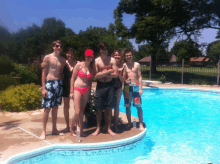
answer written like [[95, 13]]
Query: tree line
[[156, 23]]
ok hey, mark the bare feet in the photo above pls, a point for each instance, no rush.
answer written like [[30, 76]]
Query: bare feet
[[96, 132], [141, 127], [73, 133], [43, 136], [111, 132]]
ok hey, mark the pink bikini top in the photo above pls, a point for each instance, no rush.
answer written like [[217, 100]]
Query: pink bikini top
[[80, 73]]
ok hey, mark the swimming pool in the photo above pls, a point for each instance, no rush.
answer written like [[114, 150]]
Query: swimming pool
[[183, 127]]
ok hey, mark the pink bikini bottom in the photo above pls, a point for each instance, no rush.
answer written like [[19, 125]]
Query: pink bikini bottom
[[82, 90]]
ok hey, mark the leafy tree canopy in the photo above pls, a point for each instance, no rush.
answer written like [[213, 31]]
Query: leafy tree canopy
[[213, 51], [185, 49], [157, 21]]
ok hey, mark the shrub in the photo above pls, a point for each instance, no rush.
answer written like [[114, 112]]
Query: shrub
[[162, 79], [36, 68], [199, 81], [6, 81], [21, 98], [6, 65], [27, 76]]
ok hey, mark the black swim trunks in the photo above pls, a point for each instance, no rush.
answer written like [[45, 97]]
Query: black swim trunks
[[105, 95], [54, 93]]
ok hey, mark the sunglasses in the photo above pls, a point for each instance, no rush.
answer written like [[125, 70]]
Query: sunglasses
[[58, 46]]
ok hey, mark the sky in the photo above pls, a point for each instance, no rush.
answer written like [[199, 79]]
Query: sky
[[76, 14]]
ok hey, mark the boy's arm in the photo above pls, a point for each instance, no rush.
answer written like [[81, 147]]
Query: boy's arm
[[139, 79], [103, 73], [125, 75], [44, 66], [114, 74]]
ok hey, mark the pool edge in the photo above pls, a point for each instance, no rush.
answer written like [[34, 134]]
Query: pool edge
[[87, 146]]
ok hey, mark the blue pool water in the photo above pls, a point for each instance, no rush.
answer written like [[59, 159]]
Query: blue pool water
[[183, 127]]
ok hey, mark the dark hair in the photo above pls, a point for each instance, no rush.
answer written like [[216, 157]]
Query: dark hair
[[56, 42], [122, 58], [128, 50], [102, 45], [92, 64], [69, 49]]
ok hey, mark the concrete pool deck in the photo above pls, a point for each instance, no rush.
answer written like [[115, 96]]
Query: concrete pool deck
[[19, 131]]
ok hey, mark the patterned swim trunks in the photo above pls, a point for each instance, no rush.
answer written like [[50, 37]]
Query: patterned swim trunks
[[54, 94], [131, 91]]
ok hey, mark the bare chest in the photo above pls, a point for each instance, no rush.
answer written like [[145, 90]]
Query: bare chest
[[131, 70], [104, 65], [55, 63]]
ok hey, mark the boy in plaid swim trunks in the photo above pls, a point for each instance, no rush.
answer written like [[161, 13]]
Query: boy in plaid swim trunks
[[132, 87], [52, 85]]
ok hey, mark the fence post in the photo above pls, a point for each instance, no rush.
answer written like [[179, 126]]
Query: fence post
[[150, 68], [218, 73], [182, 71]]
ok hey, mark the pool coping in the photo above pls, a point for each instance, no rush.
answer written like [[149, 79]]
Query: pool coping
[[88, 146]]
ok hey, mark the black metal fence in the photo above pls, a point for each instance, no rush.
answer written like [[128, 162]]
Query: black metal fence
[[182, 73]]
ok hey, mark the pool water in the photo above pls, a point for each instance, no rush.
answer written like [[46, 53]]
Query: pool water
[[183, 127]]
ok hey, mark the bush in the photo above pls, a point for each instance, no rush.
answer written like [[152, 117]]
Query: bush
[[21, 98], [27, 76], [6, 65], [162, 79], [6, 81], [36, 68]]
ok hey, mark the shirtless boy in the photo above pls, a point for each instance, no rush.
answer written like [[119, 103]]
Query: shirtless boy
[[106, 69], [133, 87], [52, 85]]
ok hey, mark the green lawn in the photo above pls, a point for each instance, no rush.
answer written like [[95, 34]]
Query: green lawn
[[174, 73]]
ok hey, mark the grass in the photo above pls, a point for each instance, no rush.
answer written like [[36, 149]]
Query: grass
[[190, 75]]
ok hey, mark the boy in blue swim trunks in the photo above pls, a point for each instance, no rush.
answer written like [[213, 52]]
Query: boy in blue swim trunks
[[52, 85], [132, 87]]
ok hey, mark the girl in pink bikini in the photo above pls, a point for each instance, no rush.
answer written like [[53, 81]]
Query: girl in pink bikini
[[80, 88]]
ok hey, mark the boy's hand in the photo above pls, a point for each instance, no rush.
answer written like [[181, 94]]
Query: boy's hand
[[71, 95], [128, 80], [111, 71], [44, 92], [140, 91]]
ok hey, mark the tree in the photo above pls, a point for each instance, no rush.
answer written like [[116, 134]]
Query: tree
[[213, 51], [91, 37], [155, 21], [201, 14], [5, 38], [185, 49], [145, 50]]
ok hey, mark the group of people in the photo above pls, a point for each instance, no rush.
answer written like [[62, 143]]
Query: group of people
[[72, 79]]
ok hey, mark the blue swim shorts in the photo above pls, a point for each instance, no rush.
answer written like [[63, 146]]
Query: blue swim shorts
[[131, 92], [54, 94]]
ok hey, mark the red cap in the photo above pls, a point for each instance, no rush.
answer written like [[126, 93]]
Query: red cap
[[89, 52]]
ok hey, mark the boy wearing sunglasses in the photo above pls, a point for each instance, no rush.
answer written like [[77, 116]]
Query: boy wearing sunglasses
[[52, 85]]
